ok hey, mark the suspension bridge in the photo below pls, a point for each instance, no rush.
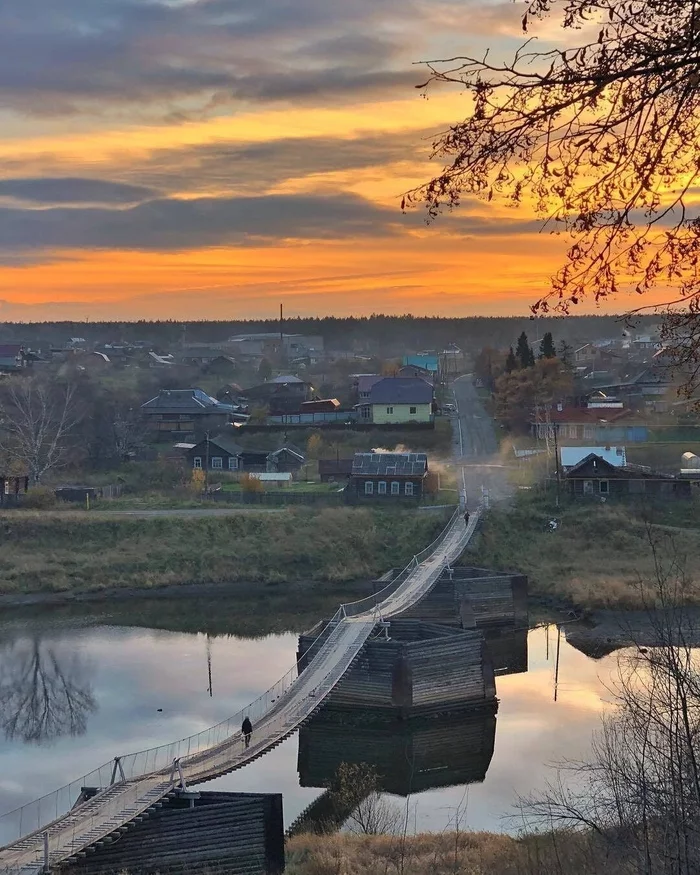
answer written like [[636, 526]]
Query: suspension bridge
[[64, 825]]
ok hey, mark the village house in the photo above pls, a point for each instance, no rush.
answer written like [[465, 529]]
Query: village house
[[12, 488], [221, 366], [417, 371], [605, 425], [594, 477], [13, 357], [183, 413], [398, 400], [334, 470], [283, 394], [430, 361], [222, 453], [380, 477], [362, 385]]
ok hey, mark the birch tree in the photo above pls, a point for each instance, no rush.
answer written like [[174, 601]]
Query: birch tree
[[37, 420]]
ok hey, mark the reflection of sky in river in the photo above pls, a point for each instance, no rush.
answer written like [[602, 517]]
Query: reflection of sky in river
[[134, 672]]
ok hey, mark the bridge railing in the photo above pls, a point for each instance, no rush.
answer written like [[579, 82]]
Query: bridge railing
[[40, 812], [352, 609]]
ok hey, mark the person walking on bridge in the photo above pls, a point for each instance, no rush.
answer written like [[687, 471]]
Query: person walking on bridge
[[466, 518], [247, 730]]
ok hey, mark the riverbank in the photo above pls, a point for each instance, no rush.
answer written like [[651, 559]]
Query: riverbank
[[601, 556], [76, 553]]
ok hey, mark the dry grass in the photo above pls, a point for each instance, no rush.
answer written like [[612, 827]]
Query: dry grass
[[71, 551], [461, 853], [600, 556]]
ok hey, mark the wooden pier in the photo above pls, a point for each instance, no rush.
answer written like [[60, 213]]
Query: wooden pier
[[409, 668], [232, 833]]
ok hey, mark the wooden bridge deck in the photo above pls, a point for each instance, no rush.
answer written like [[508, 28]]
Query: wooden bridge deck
[[108, 813]]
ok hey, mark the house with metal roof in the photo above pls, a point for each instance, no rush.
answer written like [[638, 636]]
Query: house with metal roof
[[381, 477], [594, 477], [398, 400], [179, 413]]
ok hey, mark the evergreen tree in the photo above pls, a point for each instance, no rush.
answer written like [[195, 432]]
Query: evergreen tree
[[524, 353], [547, 350], [511, 362], [265, 370], [566, 354]]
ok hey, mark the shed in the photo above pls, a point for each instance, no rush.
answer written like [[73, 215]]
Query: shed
[[334, 469], [273, 478]]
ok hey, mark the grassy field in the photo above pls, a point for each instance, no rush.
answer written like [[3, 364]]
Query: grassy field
[[600, 555], [73, 551], [450, 853]]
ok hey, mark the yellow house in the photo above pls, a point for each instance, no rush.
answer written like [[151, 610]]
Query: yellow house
[[396, 400]]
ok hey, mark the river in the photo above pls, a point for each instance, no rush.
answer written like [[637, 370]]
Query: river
[[78, 687]]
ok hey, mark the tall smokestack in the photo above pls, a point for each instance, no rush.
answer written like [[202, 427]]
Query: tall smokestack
[[282, 326]]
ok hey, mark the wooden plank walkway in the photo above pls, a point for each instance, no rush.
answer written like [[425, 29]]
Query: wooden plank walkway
[[111, 810]]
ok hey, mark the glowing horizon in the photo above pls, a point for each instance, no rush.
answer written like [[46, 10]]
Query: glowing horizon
[[209, 159]]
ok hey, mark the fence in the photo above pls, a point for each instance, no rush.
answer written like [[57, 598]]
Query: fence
[[40, 812]]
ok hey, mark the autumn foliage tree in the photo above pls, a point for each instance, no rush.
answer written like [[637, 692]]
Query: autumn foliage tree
[[518, 393], [601, 137]]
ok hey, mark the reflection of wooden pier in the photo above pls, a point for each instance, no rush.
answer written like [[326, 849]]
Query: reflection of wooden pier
[[408, 756]]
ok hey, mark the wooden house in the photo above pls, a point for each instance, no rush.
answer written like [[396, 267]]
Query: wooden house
[[334, 469], [180, 413], [386, 477], [220, 453], [12, 488], [594, 477]]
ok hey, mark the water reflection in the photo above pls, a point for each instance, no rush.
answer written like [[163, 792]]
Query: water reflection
[[409, 756], [45, 691], [154, 686]]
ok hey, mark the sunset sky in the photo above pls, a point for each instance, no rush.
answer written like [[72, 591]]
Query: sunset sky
[[208, 159]]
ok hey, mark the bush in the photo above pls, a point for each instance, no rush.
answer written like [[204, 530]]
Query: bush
[[40, 498], [251, 485]]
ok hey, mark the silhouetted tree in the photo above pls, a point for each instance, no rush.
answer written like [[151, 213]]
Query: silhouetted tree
[[264, 370], [511, 362], [565, 353], [602, 134], [547, 350], [524, 353]]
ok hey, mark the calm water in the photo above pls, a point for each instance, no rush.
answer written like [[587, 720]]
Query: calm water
[[76, 691]]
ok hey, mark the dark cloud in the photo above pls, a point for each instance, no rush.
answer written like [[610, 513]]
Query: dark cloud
[[73, 190], [255, 167], [169, 224], [76, 55]]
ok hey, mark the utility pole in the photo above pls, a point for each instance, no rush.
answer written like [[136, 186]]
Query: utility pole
[[206, 467], [211, 688], [556, 462]]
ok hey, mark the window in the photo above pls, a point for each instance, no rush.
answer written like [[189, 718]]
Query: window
[[604, 487], [395, 488], [369, 487], [217, 462], [588, 487], [366, 412], [381, 487], [197, 463], [390, 410], [411, 409], [233, 463], [408, 488]]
